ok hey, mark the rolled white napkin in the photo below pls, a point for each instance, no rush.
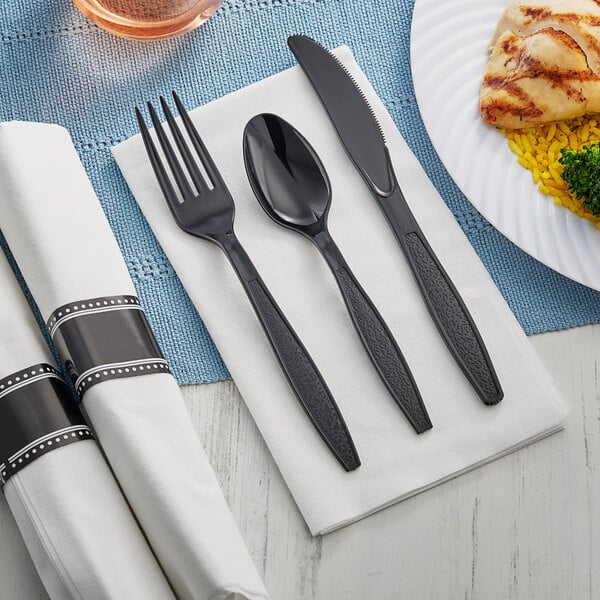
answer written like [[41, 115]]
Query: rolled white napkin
[[78, 529], [20, 580], [67, 253], [396, 463]]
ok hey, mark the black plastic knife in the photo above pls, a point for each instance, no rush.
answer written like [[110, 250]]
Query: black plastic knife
[[362, 136]]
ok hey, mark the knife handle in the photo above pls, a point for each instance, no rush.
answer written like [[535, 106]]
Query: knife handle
[[445, 304], [376, 337], [298, 367]]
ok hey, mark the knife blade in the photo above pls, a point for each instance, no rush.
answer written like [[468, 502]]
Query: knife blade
[[362, 136]]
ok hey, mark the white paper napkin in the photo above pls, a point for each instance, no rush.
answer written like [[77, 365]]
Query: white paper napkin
[[77, 527], [396, 463], [63, 244]]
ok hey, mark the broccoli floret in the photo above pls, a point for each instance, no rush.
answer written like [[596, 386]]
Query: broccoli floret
[[581, 172]]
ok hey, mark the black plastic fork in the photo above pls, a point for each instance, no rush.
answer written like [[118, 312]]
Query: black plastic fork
[[208, 212]]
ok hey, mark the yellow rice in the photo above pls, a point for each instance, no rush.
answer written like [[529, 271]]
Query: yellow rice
[[538, 149]]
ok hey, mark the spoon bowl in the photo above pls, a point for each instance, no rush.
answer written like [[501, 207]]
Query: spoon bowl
[[286, 175]]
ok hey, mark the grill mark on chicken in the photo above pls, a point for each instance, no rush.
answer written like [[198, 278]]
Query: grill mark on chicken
[[491, 110], [535, 13]]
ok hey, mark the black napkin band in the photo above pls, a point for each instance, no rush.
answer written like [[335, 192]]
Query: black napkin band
[[37, 415], [105, 338]]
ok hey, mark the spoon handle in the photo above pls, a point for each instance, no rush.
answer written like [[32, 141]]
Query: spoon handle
[[297, 365], [376, 337]]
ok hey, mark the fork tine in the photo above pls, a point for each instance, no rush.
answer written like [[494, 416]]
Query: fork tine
[[207, 161], [178, 174], [163, 178], [184, 150]]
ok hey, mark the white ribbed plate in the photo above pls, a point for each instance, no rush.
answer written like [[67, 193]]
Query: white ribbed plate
[[449, 55]]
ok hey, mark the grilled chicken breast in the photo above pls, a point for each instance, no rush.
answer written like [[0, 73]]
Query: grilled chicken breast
[[544, 63]]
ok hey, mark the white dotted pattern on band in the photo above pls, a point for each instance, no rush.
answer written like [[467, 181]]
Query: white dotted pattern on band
[[41, 446], [117, 370], [88, 307], [27, 377]]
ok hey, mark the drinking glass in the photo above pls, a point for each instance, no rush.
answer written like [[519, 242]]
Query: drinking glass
[[148, 19]]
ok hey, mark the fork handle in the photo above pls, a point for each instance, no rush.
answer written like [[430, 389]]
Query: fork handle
[[298, 367]]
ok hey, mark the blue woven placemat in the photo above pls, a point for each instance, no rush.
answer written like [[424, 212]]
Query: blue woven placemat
[[55, 66]]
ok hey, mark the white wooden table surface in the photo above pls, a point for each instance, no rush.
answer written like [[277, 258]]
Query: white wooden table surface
[[524, 527]]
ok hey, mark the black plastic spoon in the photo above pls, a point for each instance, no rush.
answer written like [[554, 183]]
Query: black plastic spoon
[[292, 186]]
